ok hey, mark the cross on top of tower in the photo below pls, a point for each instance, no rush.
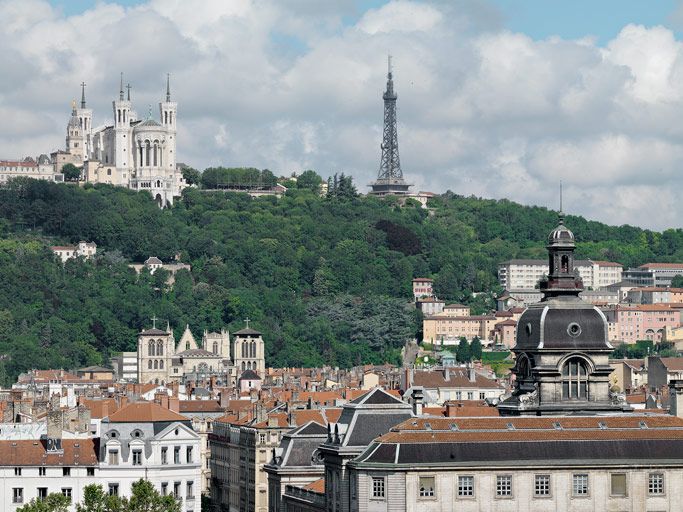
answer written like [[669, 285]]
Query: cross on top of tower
[[154, 321], [246, 321]]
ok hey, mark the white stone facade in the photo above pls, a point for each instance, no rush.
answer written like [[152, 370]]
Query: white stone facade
[[135, 153]]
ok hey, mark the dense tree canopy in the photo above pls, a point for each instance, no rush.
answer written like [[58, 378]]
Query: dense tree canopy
[[326, 279], [71, 172]]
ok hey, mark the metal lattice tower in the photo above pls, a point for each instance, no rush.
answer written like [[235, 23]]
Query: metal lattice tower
[[390, 177], [390, 165]]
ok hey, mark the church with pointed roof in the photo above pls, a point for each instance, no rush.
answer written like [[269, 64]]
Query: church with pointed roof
[[162, 360], [134, 152]]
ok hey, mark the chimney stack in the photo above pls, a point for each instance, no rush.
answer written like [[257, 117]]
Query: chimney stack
[[676, 398], [173, 403], [54, 430], [472, 374], [418, 396]]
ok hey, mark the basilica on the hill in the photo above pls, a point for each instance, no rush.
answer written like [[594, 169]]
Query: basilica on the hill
[[134, 152]]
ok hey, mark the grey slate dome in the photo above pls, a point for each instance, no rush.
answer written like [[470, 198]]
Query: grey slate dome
[[561, 234], [562, 324]]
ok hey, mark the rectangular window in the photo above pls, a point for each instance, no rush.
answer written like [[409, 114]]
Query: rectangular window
[[17, 471], [378, 487], [42, 471], [42, 493], [137, 457], [66, 491], [542, 485], [188, 454], [176, 489], [66, 471], [470, 395], [482, 396], [466, 485], [176, 455], [655, 484], [114, 489], [164, 455], [580, 484], [113, 457], [189, 494], [90, 471], [18, 495], [504, 485], [427, 488], [618, 484], [164, 488]]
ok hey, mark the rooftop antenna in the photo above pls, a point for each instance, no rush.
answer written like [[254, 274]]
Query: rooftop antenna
[[560, 196], [121, 88], [82, 94], [168, 87], [129, 88]]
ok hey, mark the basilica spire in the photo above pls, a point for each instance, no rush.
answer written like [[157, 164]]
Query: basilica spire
[[168, 87]]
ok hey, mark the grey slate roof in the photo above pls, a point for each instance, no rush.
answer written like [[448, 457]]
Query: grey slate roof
[[586, 451]]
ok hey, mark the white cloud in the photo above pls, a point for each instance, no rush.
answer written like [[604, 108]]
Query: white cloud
[[292, 84]]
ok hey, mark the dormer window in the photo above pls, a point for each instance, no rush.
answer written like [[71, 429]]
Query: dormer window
[[575, 379]]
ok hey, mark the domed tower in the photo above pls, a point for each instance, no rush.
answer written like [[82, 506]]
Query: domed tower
[[562, 346]]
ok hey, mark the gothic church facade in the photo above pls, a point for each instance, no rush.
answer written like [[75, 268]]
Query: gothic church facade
[[161, 360]]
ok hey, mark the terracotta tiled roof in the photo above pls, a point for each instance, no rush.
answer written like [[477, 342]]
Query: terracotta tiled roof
[[199, 406], [144, 412], [673, 363], [303, 416], [458, 378], [316, 486], [333, 414], [100, 408], [529, 425], [82, 452]]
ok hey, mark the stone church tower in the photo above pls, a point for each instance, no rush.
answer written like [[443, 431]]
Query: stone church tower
[[249, 352], [562, 345], [155, 349]]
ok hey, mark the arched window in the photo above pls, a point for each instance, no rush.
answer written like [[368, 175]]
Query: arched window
[[575, 379], [215, 347], [149, 364], [160, 348], [156, 364], [565, 263], [244, 349], [155, 153], [244, 366], [150, 348], [253, 349], [161, 364], [148, 153]]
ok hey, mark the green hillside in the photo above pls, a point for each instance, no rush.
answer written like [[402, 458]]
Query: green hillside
[[326, 280]]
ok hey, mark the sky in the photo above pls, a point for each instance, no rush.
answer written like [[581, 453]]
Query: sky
[[496, 98]]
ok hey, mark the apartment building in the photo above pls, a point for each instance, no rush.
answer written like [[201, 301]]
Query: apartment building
[[524, 274], [642, 322], [140, 440], [654, 274]]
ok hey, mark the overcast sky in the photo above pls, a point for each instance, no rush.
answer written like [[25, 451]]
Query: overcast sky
[[497, 98]]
